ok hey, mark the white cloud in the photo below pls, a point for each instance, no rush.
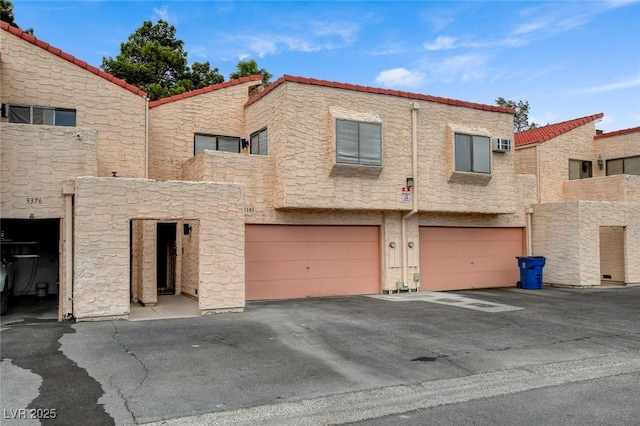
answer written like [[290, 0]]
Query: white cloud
[[633, 81], [400, 77], [467, 67], [441, 43], [347, 31], [164, 14]]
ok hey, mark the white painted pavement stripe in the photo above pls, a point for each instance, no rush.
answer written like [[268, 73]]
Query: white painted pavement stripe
[[448, 299], [375, 403]]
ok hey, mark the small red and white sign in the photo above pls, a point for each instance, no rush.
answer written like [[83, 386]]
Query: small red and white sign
[[406, 194]]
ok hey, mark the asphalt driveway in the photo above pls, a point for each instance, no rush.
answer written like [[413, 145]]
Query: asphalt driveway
[[279, 357]]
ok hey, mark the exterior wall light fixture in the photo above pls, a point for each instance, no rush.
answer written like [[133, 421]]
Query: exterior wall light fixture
[[409, 182], [600, 162]]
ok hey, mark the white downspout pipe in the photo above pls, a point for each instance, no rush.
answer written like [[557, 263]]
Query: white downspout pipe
[[68, 191], [414, 193], [146, 138]]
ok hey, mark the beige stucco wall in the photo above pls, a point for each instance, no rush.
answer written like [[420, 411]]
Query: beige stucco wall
[[36, 161], [525, 160], [568, 235], [576, 144], [172, 126], [189, 258], [301, 128], [103, 209], [606, 188], [617, 146], [30, 75]]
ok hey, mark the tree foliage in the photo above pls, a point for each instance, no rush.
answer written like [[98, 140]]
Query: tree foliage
[[250, 67], [6, 15], [521, 119], [154, 60]]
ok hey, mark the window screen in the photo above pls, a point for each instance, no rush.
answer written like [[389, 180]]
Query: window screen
[[18, 114], [472, 153], [215, 143], [259, 142], [358, 142], [629, 166]]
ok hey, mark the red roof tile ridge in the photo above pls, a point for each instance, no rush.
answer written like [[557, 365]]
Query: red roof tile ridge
[[618, 132], [550, 131], [376, 90], [64, 55], [206, 89]]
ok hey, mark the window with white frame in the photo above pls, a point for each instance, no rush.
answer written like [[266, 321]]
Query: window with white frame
[[472, 153], [258, 141], [358, 142], [41, 115], [627, 166], [204, 141]]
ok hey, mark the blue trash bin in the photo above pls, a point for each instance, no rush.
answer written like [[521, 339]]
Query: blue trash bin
[[531, 271]]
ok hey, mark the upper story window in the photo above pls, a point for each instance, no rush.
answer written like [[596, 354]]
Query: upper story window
[[259, 142], [358, 142], [41, 115], [580, 169], [204, 141], [473, 153], [627, 166]]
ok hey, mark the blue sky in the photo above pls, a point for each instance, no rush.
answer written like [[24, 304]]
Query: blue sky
[[568, 59]]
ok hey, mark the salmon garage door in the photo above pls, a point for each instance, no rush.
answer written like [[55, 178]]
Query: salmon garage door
[[287, 261], [464, 258]]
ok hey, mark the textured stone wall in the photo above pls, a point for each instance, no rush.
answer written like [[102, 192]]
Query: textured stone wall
[[577, 144], [103, 209], [36, 161], [568, 235], [31, 75], [303, 141], [190, 256], [617, 146], [606, 188], [172, 126], [525, 161]]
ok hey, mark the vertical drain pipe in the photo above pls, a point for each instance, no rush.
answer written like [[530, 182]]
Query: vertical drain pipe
[[146, 138], [414, 193], [68, 190]]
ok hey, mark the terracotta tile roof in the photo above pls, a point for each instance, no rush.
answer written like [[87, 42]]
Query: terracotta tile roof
[[205, 90], [347, 86], [617, 132], [550, 131], [82, 64]]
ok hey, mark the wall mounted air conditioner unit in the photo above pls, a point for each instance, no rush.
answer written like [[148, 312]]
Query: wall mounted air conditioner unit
[[501, 145]]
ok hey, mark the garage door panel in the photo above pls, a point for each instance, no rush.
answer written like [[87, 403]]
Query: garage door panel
[[291, 251], [294, 270], [462, 249], [454, 281], [429, 234], [288, 261], [459, 258], [467, 265]]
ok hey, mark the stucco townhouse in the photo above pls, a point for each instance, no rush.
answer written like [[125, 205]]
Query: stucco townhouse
[[586, 220], [308, 188]]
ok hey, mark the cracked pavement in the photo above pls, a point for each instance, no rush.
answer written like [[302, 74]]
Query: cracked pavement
[[282, 360]]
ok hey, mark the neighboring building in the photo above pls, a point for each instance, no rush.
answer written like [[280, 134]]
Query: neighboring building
[[308, 188], [66, 128], [587, 220]]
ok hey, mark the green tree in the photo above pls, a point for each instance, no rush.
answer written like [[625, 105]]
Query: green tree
[[521, 118], [154, 60], [250, 67], [6, 15]]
